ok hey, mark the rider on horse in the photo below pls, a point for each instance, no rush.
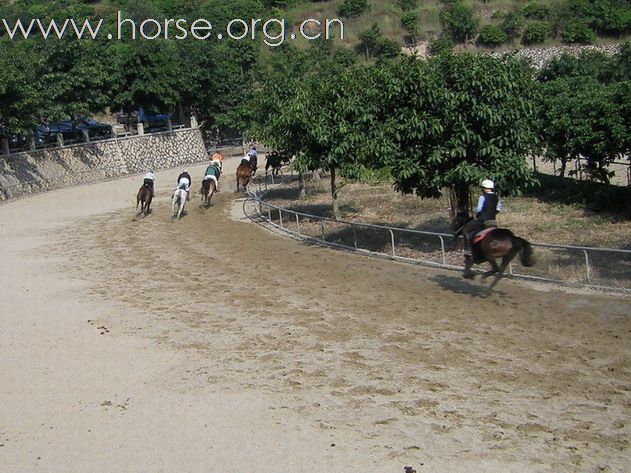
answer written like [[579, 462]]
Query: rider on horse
[[148, 180], [218, 157], [184, 179], [485, 213], [213, 169]]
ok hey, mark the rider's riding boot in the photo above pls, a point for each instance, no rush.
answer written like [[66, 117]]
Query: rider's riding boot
[[467, 273]]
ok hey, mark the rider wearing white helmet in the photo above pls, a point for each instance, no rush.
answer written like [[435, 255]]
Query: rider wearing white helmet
[[485, 213], [148, 179]]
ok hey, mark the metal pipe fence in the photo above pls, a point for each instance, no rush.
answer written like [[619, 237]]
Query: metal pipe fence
[[599, 268]]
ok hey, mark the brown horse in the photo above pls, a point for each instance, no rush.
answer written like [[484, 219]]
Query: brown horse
[[244, 174], [209, 187], [492, 243], [144, 198]]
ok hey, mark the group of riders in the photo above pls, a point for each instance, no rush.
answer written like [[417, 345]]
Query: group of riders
[[485, 212], [214, 169]]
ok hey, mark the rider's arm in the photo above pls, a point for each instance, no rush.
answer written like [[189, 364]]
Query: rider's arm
[[480, 206]]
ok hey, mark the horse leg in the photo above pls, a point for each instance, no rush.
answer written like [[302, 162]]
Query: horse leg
[[211, 192], [494, 268], [468, 263], [182, 202]]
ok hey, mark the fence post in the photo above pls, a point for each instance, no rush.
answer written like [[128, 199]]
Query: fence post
[[392, 241], [587, 268], [322, 230], [298, 224], [280, 217], [442, 249], [354, 235]]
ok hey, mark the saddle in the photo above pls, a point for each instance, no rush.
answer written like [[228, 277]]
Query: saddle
[[478, 237]]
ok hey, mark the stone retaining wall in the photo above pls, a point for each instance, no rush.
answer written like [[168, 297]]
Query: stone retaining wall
[[539, 57], [37, 171]]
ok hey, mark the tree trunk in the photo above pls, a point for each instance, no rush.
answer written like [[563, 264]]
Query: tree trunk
[[301, 185], [336, 210], [562, 170], [459, 202]]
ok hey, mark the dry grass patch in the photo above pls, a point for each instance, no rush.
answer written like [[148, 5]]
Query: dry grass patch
[[534, 219]]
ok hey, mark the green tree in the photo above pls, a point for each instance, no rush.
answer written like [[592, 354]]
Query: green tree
[[578, 31], [536, 32], [492, 36], [460, 21], [409, 21], [581, 117], [441, 44], [20, 101], [512, 24], [351, 8], [370, 39], [454, 120]]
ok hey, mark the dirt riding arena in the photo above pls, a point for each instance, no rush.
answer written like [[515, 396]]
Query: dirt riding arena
[[211, 344]]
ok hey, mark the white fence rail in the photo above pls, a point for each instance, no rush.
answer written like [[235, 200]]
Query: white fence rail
[[599, 268]]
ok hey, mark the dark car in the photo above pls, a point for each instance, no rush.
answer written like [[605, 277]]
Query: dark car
[[94, 128], [47, 134]]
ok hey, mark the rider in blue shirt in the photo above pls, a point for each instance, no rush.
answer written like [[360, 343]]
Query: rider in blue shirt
[[485, 213]]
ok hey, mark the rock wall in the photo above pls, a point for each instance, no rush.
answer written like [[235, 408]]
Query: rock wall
[[539, 57], [37, 171]]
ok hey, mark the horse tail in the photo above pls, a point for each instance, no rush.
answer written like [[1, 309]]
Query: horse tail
[[526, 253]]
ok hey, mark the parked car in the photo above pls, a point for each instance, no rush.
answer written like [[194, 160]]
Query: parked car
[[94, 128], [47, 134]]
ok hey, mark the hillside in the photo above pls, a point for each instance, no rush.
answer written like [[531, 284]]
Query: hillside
[[491, 24]]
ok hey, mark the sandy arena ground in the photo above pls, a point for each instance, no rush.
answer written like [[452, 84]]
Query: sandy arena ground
[[213, 345]]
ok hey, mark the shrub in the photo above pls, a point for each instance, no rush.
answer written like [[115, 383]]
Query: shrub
[[578, 31], [536, 32], [350, 8], [406, 5], [492, 36], [388, 48], [512, 24], [409, 21], [535, 11], [460, 21], [442, 44]]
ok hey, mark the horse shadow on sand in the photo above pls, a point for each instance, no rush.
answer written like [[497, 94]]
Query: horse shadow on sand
[[458, 285]]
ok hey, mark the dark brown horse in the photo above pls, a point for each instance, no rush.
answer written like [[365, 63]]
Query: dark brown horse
[[244, 174], [492, 243], [276, 160], [144, 198], [208, 189]]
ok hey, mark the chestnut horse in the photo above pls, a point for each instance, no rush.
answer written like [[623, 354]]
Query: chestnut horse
[[144, 198], [244, 174], [492, 243]]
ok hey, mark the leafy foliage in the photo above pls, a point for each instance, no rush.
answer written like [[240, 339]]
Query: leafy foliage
[[459, 21], [578, 31], [409, 21], [491, 35], [351, 8], [536, 32], [441, 45], [584, 112], [446, 124]]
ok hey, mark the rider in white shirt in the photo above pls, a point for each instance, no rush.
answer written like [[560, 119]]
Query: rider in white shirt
[[184, 179], [148, 180]]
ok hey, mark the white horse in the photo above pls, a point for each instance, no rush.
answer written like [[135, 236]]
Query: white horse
[[179, 199]]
